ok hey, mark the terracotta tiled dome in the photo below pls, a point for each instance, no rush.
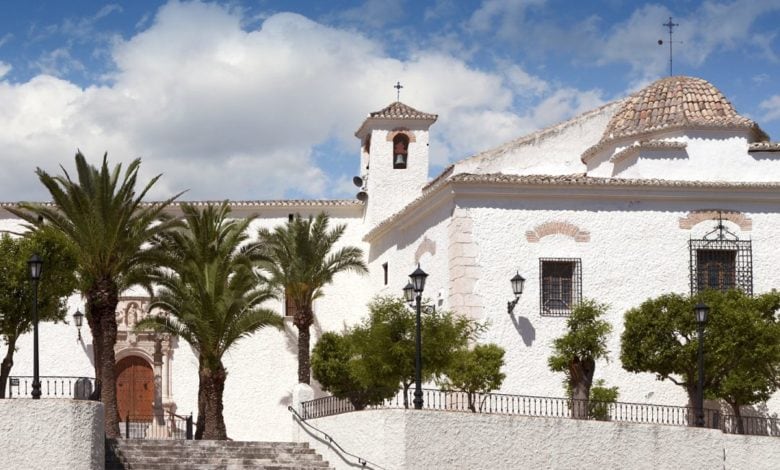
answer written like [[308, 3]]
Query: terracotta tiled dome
[[677, 102]]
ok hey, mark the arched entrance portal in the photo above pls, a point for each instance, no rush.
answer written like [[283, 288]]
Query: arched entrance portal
[[134, 388]]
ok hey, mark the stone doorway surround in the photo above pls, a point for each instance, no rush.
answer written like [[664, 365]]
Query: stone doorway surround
[[155, 348]]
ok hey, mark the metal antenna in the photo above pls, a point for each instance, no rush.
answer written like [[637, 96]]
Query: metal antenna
[[398, 87], [671, 26]]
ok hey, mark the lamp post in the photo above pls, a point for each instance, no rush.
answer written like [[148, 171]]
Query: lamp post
[[417, 279], [517, 288], [36, 266], [702, 310], [78, 319]]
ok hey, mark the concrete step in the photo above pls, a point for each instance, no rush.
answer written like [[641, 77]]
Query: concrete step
[[206, 455]]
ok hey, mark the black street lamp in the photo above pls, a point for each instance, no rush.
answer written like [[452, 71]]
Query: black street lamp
[[36, 266], [702, 310], [417, 279], [409, 293], [78, 319], [517, 288]]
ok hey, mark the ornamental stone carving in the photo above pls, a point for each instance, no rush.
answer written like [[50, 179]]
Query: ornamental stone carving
[[697, 216], [557, 228]]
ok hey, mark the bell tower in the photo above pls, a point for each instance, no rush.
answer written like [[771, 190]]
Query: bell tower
[[393, 159]]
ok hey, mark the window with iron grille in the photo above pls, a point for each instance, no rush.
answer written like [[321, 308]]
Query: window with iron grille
[[720, 260], [561, 285]]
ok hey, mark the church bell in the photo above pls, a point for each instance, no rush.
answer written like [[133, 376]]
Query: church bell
[[399, 161]]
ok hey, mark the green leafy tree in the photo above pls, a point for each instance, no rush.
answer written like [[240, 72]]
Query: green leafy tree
[[741, 356], [16, 292], [576, 352], [102, 215], [389, 341], [600, 399], [476, 371], [336, 364], [301, 258], [209, 288]]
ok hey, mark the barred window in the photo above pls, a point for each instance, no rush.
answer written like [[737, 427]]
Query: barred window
[[721, 261], [561, 285]]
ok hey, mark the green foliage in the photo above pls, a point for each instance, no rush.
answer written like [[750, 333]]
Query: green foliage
[[741, 346], [378, 355], [300, 258], [586, 338], [337, 365], [476, 371], [207, 283], [103, 217], [16, 290], [211, 293], [600, 398]]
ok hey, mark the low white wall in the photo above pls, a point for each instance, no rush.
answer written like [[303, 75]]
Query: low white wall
[[52, 434], [405, 439]]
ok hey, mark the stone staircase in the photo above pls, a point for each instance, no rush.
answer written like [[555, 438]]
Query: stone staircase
[[138, 454]]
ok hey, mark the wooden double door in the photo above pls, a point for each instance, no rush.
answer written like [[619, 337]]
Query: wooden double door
[[134, 388]]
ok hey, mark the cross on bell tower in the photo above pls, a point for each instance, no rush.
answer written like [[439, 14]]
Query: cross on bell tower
[[398, 87]]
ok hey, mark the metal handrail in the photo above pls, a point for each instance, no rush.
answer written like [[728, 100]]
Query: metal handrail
[[363, 462], [51, 386], [555, 407]]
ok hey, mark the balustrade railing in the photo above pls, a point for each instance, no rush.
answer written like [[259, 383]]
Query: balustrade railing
[[80, 388], [551, 407], [165, 426]]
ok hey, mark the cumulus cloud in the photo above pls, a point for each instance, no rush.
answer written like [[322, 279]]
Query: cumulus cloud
[[227, 112], [771, 107]]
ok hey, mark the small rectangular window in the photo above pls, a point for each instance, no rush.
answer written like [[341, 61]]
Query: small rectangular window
[[289, 306], [561, 285], [721, 264], [384, 267], [716, 269]]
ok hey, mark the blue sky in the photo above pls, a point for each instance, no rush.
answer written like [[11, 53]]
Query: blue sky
[[260, 99]]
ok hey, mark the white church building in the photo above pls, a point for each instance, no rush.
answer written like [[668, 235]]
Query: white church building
[[613, 205]]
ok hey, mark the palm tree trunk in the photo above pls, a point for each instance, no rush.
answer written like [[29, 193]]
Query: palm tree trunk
[[304, 360], [8, 362], [103, 298], [214, 381], [97, 350], [200, 426]]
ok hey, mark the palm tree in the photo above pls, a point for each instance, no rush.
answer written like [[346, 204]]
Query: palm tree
[[106, 222], [299, 261], [208, 286]]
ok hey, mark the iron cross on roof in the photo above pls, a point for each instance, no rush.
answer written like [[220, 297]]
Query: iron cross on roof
[[398, 87], [671, 26]]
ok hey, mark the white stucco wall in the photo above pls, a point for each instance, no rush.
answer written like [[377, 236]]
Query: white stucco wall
[[51, 434], [406, 439], [391, 189], [555, 150], [709, 155]]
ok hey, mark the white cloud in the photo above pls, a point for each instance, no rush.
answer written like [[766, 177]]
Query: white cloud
[[230, 113], [4, 69], [772, 107]]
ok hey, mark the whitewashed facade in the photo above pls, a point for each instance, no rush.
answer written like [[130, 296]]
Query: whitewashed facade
[[613, 195]]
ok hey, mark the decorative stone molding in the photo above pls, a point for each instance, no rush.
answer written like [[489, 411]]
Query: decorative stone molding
[[426, 246], [656, 145], [155, 348], [557, 228], [464, 269], [401, 130], [697, 216]]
